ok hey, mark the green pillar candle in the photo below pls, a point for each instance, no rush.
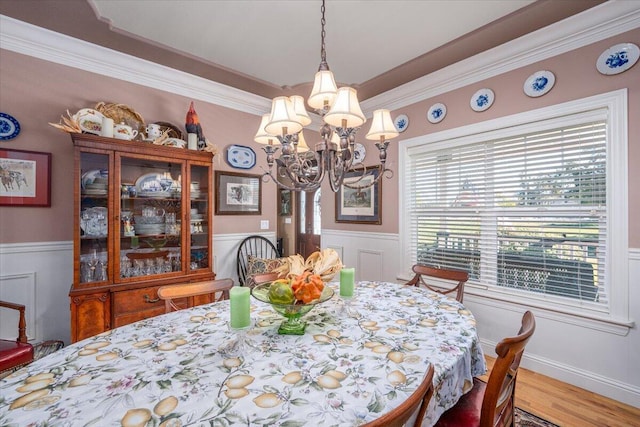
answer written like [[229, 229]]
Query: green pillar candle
[[240, 307], [347, 282]]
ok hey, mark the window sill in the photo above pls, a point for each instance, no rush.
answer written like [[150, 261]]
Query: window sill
[[549, 310]]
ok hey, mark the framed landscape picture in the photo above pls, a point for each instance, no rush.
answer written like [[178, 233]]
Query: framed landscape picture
[[360, 206], [238, 194], [25, 178]]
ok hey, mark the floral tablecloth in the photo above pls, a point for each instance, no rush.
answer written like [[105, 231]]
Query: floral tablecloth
[[355, 362]]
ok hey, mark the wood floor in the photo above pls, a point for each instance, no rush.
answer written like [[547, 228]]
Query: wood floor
[[567, 405]]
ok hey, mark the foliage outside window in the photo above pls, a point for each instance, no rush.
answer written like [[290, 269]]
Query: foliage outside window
[[526, 208]]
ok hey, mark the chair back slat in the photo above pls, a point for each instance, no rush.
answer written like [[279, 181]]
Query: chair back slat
[[459, 276], [170, 293]]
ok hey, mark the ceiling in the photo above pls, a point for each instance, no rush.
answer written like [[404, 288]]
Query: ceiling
[[271, 47]]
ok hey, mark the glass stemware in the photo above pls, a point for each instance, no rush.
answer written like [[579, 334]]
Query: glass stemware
[[238, 345]]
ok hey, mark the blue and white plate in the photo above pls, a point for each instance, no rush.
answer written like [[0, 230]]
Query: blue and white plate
[[482, 100], [154, 185], [401, 122], [9, 127], [90, 176], [436, 113], [241, 157], [539, 83], [359, 153], [618, 59]]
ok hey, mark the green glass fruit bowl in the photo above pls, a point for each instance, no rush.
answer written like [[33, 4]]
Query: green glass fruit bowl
[[293, 325]]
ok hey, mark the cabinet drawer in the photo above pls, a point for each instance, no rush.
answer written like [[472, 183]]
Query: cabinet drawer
[[136, 300]]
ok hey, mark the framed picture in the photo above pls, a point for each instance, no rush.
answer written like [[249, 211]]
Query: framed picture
[[285, 202], [238, 194], [26, 178], [360, 206]]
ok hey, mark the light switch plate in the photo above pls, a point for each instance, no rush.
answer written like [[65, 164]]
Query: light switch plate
[[264, 224]]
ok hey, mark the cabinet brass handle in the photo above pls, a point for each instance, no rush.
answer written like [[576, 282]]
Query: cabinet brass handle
[[149, 300]]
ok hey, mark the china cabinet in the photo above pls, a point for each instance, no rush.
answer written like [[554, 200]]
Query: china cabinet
[[142, 219]]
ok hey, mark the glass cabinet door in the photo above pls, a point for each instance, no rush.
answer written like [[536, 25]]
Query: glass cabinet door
[[150, 210], [198, 217], [94, 217]]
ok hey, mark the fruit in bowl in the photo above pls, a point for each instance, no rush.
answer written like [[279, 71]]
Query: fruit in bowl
[[293, 298]]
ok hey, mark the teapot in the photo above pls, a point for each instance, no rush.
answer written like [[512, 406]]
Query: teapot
[[123, 131], [154, 131]]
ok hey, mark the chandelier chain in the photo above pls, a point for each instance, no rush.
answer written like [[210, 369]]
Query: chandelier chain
[[323, 33]]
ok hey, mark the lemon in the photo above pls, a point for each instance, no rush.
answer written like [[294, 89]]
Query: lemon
[[280, 292]]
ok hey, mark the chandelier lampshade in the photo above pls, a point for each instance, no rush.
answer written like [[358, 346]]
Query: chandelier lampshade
[[283, 119], [382, 127], [262, 136], [301, 112], [302, 144], [345, 111], [324, 90]]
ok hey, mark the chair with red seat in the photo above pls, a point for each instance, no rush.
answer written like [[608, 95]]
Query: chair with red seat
[[492, 404], [18, 353]]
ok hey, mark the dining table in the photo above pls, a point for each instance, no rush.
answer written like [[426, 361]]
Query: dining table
[[358, 359]]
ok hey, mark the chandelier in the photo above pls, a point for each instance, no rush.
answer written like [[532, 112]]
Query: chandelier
[[333, 156]]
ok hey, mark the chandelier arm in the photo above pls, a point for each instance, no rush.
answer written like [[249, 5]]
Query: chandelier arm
[[268, 175], [388, 173]]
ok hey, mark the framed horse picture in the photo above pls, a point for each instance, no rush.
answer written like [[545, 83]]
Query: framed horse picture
[[238, 193], [25, 178], [356, 203]]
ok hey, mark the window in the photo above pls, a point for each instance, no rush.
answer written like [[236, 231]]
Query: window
[[525, 204]]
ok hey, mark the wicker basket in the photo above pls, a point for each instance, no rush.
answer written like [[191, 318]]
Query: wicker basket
[[122, 113]]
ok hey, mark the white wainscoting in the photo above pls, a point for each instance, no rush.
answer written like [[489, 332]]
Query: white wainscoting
[[375, 256], [38, 275], [18, 289]]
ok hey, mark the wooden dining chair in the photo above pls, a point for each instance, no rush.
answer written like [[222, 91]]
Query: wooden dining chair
[[492, 404], [18, 353], [265, 277], [189, 293], [418, 399], [257, 247], [422, 271]]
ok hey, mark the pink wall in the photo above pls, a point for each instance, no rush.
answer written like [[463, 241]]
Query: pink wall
[[36, 92], [576, 77]]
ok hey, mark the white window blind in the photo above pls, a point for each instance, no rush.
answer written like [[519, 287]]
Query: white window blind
[[525, 213]]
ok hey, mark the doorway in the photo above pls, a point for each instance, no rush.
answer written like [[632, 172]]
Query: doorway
[[308, 222]]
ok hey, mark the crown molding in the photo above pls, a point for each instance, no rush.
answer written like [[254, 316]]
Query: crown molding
[[595, 24], [598, 23], [38, 42]]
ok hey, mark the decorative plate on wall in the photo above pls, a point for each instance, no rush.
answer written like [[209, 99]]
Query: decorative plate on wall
[[618, 59], [241, 157], [359, 152], [539, 83], [9, 127], [482, 100], [401, 122], [436, 113]]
